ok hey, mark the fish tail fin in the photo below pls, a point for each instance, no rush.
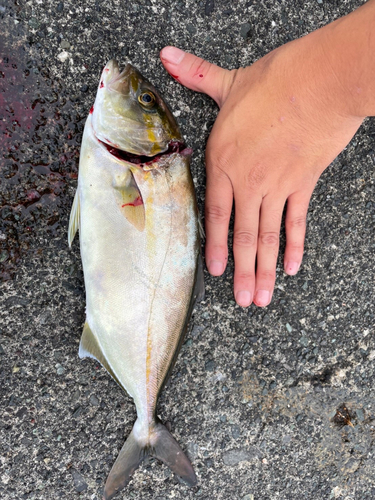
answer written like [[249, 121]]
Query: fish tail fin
[[128, 460], [161, 445], [168, 451]]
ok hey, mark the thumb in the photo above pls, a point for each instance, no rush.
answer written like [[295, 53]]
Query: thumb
[[197, 74]]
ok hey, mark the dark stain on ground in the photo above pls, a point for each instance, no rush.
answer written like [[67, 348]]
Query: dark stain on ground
[[323, 377], [40, 133]]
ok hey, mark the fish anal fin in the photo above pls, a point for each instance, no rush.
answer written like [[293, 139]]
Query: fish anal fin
[[74, 219], [129, 200], [89, 348]]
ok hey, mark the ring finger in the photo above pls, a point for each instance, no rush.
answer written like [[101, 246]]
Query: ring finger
[[268, 248]]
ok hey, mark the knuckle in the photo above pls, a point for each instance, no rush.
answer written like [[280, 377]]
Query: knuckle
[[295, 247], [219, 171], [245, 276], [296, 222], [269, 239], [218, 161], [221, 163], [216, 214], [255, 176], [244, 239], [266, 275]]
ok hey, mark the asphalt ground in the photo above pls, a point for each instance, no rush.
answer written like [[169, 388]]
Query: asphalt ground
[[274, 403]]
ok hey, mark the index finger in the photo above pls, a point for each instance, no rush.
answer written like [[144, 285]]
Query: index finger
[[218, 207]]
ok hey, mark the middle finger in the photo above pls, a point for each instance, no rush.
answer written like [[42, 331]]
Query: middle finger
[[245, 239]]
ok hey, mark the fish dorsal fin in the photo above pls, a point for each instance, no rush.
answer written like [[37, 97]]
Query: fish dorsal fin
[[74, 219], [129, 199], [89, 348]]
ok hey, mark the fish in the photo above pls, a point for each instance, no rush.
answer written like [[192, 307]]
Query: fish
[[139, 231]]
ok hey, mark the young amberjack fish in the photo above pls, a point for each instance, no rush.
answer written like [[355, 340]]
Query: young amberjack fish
[[137, 217]]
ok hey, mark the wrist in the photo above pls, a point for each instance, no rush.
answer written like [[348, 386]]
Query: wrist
[[348, 46]]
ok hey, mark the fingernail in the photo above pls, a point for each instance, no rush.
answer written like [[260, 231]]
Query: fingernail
[[216, 267], [172, 55], [243, 298], [262, 297], [292, 267]]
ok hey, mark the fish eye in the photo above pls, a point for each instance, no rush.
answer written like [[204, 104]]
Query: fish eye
[[147, 99]]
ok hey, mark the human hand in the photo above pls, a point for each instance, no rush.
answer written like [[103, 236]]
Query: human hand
[[282, 121]]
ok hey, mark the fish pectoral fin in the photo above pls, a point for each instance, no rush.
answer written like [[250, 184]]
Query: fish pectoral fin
[[130, 201], [74, 219], [89, 348]]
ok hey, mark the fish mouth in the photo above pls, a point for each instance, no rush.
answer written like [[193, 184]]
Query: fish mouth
[[118, 81], [174, 147]]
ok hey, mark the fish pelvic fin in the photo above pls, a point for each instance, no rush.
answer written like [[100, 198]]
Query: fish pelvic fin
[[74, 219], [161, 445]]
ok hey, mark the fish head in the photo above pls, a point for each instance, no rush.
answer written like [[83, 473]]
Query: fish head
[[129, 114]]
